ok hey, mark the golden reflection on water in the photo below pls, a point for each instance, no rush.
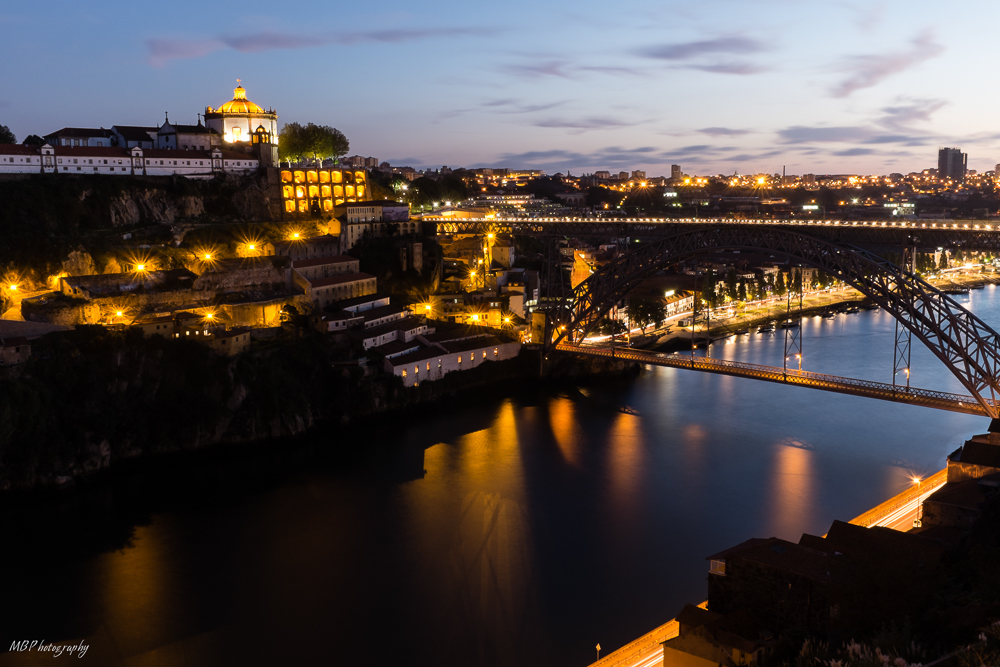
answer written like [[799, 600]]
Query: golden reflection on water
[[562, 417], [135, 590], [793, 491], [486, 541], [626, 459]]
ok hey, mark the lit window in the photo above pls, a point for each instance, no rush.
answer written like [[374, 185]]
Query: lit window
[[404, 372], [416, 370], [495, 352], [472, 356], [428, 367], [459, 358]]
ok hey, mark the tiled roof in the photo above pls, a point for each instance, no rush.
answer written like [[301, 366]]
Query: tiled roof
[[18, 149], [787, 556], [232, 333], [471, 344], [981, 453], [382, 311], [13, 342], [340, 280], [189, 129], [135, 133], [395, 347], [82, 132], [322, 261], [405, 324], [419, 355]]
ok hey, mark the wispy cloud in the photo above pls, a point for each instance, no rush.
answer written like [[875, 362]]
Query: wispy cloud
[[722, 131], [804, 134], [870, 70], [702, 55], [162, 50], [734, 45], [557, 68], [909, 111], [586, 124]]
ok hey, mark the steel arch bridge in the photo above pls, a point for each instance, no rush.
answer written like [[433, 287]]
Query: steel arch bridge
[[967, 345]]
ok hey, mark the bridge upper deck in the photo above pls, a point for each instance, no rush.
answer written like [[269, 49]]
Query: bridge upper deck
[[967, 234]]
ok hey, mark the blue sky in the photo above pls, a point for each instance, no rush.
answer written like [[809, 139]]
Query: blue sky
[[717, 86]]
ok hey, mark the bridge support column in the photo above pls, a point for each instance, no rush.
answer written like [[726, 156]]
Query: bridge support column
[[793, 334], [901, 355], [910, 259]]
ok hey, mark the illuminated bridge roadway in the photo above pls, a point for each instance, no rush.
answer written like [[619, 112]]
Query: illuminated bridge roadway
[[967, 234], [867, 388]]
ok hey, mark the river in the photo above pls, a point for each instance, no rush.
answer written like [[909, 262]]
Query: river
[[508, 530]]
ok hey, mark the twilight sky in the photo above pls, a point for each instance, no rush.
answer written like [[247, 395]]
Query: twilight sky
[[717, 86]]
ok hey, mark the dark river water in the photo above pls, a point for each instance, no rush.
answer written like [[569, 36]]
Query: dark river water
[[513, 530]]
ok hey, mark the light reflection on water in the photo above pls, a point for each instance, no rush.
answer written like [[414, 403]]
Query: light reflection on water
[[544, 523]]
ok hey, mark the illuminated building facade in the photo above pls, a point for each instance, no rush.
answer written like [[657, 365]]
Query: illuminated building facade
[[244, 124], [318, 191]]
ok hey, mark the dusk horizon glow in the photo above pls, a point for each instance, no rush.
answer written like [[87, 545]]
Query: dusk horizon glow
[[717, 87]]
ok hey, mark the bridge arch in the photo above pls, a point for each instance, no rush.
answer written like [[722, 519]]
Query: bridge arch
[[967, 346]]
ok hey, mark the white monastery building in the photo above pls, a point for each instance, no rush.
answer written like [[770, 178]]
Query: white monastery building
[[238, 137]]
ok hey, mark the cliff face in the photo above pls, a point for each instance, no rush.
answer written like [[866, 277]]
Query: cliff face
[[145, 206], [89, 398], [45, 217]]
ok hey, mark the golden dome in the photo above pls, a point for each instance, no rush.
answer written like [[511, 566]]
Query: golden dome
[[239, 103]]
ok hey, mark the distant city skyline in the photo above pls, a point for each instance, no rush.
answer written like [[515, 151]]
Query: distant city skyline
[[717, 87]]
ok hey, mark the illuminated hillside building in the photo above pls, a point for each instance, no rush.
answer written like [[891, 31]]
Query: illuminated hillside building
[[246, 126]]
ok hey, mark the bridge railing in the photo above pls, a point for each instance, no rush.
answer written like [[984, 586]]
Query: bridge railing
[[774, 373]]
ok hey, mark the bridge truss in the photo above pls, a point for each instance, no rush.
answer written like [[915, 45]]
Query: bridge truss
[[967, 346], [963, 234]]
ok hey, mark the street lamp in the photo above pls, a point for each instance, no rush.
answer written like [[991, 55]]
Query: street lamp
[[918, 521]]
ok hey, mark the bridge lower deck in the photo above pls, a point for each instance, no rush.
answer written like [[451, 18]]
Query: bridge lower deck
[[880, 390]]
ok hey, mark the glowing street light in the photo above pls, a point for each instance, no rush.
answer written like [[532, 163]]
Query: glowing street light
[[118, 313], [140, 267], [12, 287], [208, 257]]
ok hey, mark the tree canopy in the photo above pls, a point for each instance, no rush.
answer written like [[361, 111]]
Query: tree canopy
[[297, 142], [6, 136], [645, 311]]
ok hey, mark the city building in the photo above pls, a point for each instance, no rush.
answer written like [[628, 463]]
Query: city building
[[170, 136], [324, 291], [119, 161], [316, 191], [675, 172], [708, 639], [952, 164], [438, 359], [244, 124], [313, 247], [324, 267], [130, 136], [15, 350], [80, 136]]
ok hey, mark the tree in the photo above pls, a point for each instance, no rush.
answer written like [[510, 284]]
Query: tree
[[611, 327], [33, 140], [644, 312], [6, 136], [297, 142]]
